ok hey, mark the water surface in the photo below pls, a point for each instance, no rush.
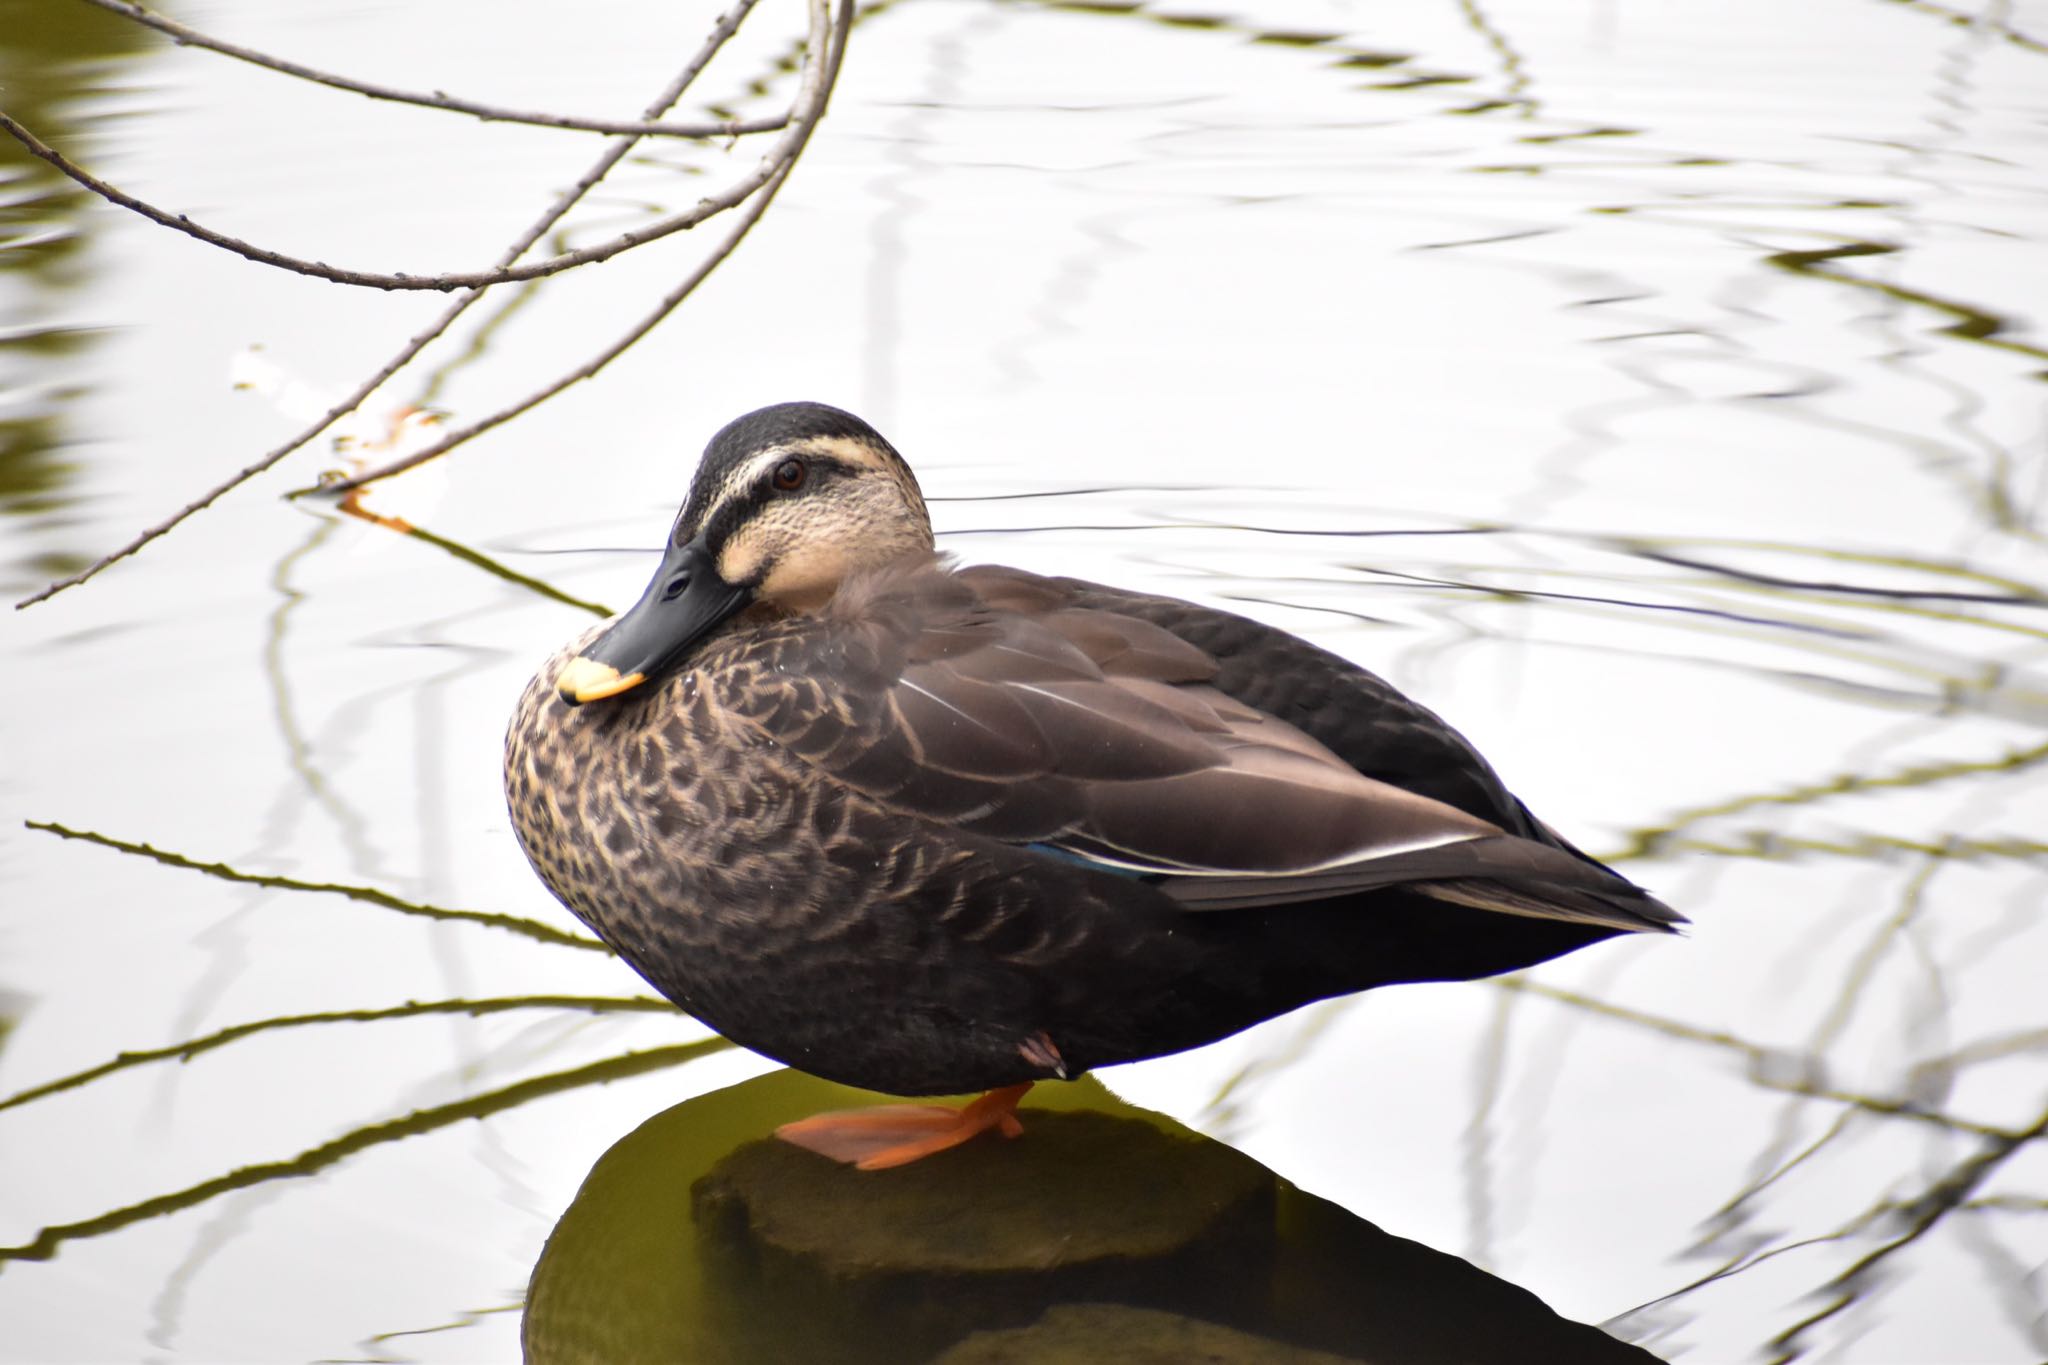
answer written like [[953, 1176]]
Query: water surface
[[1656, 393]]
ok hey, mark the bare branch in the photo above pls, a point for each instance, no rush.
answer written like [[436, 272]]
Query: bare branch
[[416, 1009], [462, 435], [370, 279], [191, 37], [825, 75], [706, 208], [721, 31]]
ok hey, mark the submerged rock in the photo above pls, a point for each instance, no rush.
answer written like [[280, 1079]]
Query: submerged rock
[[1104, 1234], [1136, 1336], [1082, 1206]]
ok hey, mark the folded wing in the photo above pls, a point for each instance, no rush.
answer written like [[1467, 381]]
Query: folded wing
[[986, 699]]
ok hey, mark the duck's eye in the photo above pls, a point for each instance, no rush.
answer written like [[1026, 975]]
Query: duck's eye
[[789, 475]]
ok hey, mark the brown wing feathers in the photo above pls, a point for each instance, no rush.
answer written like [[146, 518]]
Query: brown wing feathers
[[987, 699]]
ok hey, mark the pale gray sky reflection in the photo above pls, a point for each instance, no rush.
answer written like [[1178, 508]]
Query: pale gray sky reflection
[[1656, 392]]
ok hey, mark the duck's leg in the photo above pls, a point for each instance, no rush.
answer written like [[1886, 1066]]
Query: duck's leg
[[897, 1134]]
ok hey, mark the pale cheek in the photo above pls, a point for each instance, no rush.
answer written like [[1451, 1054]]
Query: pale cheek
[[739, 560], [803, 580]]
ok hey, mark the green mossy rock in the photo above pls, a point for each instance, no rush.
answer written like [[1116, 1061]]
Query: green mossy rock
[[1081, 1333], [1104, 1233], [1083, 1205], [1076, 1189]]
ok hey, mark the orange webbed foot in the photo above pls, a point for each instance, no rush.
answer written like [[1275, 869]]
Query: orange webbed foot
[[898, 1134]]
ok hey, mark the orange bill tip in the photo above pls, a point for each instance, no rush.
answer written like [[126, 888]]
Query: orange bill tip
[[583, 679]]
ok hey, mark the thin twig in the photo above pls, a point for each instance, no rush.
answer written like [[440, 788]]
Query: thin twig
[[446, 282], [313, 1160], [368, 895], [191, 37], [721, 31], [588, 369], [416, 1009], [270, 457], [825, 76]]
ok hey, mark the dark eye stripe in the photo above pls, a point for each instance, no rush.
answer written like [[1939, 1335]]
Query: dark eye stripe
[[821, 465], [737, 509]]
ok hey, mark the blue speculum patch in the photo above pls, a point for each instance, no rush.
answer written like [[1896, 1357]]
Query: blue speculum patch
[[1068, 855]]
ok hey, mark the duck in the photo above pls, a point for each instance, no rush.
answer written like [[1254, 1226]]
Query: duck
[[932, 829]]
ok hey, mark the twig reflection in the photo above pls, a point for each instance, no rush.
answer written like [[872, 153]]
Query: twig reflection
[[313, 1160], [192, 1047], [528, 928]]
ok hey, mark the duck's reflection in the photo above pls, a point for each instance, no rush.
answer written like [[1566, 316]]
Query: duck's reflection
[[1104, 1233]]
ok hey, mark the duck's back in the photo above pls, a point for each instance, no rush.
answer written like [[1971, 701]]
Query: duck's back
[[1359, 716]]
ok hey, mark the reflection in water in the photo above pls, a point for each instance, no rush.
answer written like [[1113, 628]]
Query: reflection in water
[[1677, 368], [1970, 321], [47, 1242], [57, 62], [533, 929], [694, 1238], [192, 1047]]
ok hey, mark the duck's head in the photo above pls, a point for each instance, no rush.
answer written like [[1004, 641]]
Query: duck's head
[[787, 502]]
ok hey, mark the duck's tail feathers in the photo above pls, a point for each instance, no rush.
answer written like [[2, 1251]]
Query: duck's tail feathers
[[1620, 905], [1502, 873]]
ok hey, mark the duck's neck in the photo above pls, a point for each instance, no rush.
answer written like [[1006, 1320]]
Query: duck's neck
[[813, 596]]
